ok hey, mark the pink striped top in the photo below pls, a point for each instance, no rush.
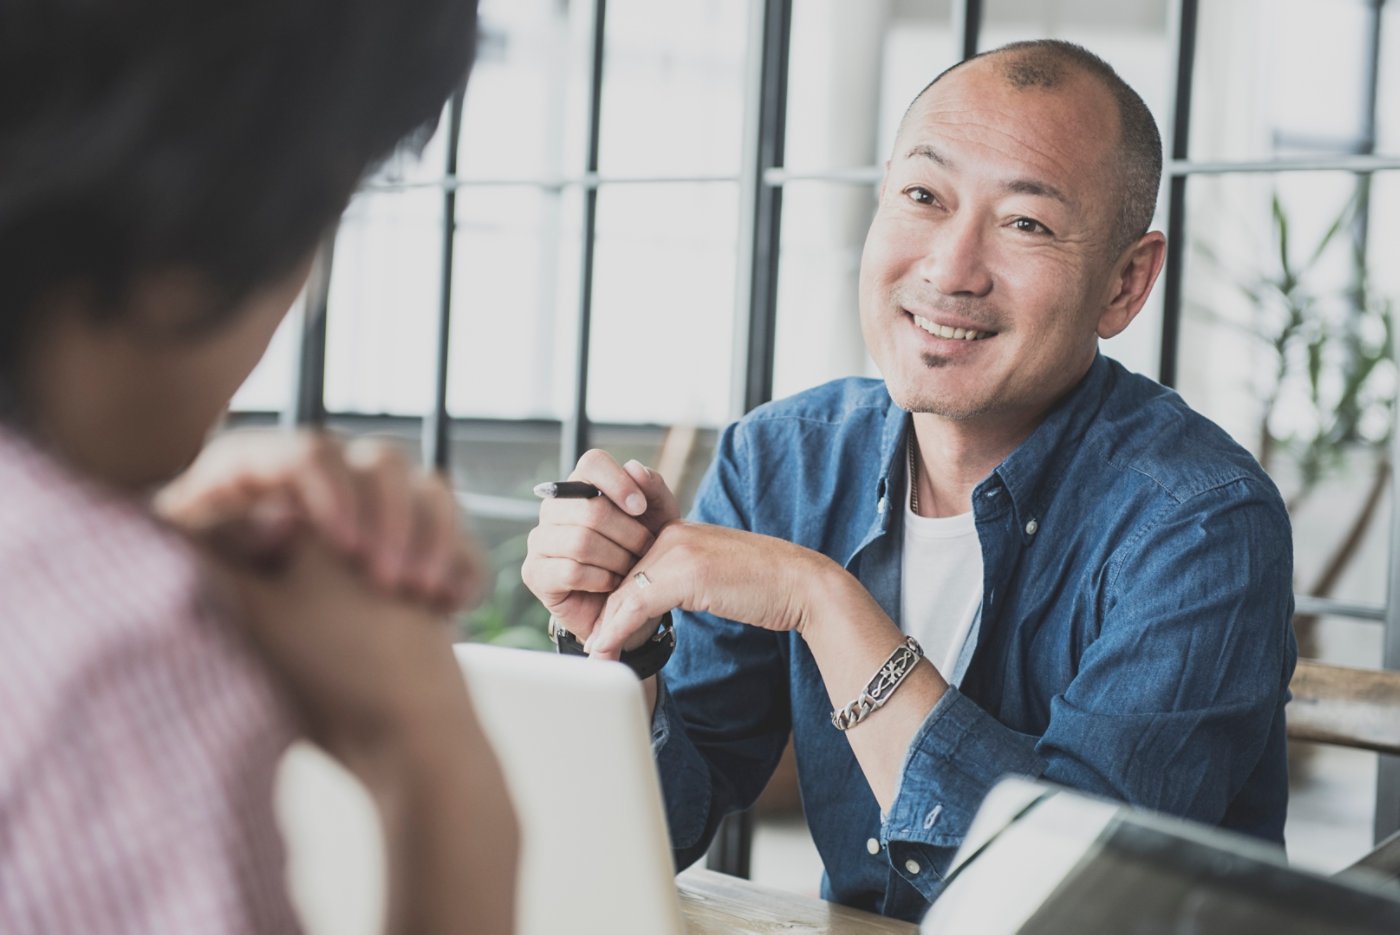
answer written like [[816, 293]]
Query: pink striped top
[[138, 738]]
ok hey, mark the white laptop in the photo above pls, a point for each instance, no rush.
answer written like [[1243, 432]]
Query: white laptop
[[575, 744]]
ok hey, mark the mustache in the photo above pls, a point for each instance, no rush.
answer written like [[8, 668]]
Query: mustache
[[974, 312]]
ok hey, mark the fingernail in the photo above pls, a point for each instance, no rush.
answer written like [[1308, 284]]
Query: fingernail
[[636, 504]]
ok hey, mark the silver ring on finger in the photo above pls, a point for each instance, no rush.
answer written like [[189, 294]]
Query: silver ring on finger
[[642, 580]]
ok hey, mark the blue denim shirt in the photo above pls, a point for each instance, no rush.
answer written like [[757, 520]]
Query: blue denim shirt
[[1135, 637]]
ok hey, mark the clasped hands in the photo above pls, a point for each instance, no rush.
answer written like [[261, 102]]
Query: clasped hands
[[608, 567], [312, 544], [255, 494]]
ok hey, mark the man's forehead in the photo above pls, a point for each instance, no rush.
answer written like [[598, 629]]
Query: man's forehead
[[1075, 115], [991, 84]]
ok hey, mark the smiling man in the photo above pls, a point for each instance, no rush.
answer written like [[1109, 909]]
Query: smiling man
[[1009, 556]]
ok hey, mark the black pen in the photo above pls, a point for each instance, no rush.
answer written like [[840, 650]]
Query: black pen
[[567, 490]]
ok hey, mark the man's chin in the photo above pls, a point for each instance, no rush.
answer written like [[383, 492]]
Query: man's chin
[[943, 405]]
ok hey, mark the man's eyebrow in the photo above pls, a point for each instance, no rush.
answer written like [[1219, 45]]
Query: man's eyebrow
[[1015, 186], [928, 152], [1032, 187]]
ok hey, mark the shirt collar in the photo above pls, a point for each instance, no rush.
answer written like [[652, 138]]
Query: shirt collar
[[1027, 472], [1033, 469], [892, 477], [890, 484]]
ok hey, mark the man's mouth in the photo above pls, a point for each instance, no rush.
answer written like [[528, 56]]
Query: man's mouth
[[955, 334]]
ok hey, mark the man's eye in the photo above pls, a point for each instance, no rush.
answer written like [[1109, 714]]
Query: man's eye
[[1029, 226], [921, 195]]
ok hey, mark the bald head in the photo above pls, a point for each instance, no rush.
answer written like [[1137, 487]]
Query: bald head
[[1053, 65]]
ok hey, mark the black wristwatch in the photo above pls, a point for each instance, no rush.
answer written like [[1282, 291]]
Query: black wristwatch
[[646, 660]]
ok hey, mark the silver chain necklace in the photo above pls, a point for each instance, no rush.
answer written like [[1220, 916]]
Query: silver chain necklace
[[911, 446]]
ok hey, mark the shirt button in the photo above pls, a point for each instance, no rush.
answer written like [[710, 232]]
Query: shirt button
[[912, 866], [873, 846], [1031, 527]]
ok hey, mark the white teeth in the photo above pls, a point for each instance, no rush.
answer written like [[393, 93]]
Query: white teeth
[[942, 331]]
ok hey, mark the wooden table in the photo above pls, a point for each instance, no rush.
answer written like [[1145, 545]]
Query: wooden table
[[718, 904]]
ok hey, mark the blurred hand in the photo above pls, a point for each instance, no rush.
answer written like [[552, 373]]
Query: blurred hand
[[582, 549], [364, 499]]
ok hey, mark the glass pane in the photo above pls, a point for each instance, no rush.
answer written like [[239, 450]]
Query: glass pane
[[381, 329], [493, 468], [1286, 343], [270, 386], [1132, 37], [853, 68], [818, 329], [515, 304], [522, 115], [1383, 223], [680, 453], [1283, 77], [1388, 83], [663, 304], [415, 162], [673, 83]]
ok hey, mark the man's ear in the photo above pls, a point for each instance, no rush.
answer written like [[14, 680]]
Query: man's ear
[[1131, 283]]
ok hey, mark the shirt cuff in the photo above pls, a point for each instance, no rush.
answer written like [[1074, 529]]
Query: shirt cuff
[[956, 757]]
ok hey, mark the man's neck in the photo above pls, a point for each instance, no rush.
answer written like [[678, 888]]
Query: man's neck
[[955, 456]]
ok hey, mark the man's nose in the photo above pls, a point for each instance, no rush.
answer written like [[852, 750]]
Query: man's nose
[[955, 262]]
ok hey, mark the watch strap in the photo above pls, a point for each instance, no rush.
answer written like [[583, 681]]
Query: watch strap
[[645, 661]]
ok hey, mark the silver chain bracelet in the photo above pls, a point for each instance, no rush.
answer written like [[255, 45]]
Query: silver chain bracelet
[[878, 691]]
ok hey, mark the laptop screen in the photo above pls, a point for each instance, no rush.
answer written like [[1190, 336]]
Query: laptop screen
[[1140, 878]]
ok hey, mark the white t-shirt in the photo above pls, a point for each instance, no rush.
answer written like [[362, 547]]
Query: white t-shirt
[[941, 593]]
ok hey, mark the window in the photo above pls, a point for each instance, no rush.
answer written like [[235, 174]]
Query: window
[[637, 252]]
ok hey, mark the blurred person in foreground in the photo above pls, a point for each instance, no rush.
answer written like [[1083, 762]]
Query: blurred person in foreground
[[166, 171], [1010, 555]]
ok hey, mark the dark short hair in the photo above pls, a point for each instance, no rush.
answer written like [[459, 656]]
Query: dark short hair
[[219, 137], [1047, 64]]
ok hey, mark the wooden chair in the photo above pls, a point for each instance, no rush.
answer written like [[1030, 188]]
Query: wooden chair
[[1350, 707], [1345, 706]]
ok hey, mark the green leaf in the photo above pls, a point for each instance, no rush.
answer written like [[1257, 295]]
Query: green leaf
[[1288, 281], [1348, 211], [1315, 365]]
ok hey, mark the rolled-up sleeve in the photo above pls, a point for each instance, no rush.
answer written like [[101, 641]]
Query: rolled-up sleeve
[[956, 757]]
